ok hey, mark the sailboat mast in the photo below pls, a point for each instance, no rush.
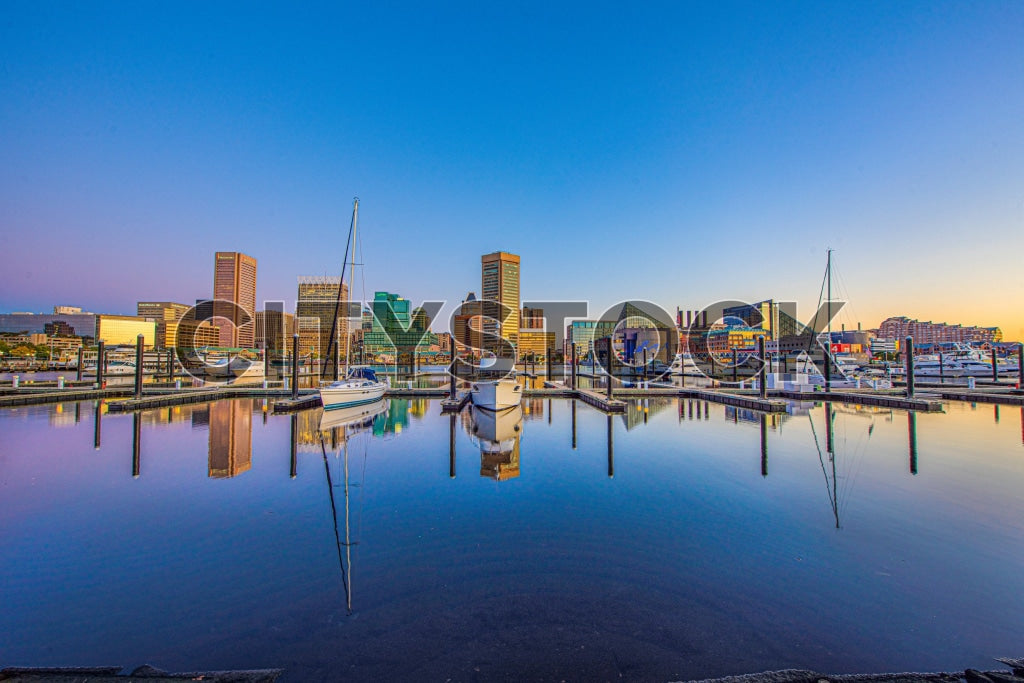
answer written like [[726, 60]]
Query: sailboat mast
[[828, 275], [352, 276], [333, 348]]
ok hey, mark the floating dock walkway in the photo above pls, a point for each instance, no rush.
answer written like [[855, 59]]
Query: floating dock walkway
[[122, 398]]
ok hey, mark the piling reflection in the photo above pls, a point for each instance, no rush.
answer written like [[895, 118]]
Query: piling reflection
[[97, 429], [764, 445], [611, 448], [573, 409], [451, 446], [294, 443], [498, 434], [136, 445], [912, 439]]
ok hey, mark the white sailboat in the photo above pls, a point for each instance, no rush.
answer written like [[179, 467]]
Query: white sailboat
[[360, 385]]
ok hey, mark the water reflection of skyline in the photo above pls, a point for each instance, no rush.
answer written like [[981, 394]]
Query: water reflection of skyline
[[230, 439]]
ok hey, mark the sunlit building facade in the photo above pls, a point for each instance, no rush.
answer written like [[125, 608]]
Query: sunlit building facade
[[499, 288], [115, 330], [314, 315], [234, 280]]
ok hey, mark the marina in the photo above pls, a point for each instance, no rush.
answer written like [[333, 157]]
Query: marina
[[554, 510]]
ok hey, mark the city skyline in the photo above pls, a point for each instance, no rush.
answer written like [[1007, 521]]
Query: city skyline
[[676, 154]]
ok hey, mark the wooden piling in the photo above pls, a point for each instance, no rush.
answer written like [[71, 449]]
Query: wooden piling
[[101, 363], [81, 362], [295, 366], [572, 368], [995, 365], [762, 385], [908, 351], [1020, 366], [138, 366]]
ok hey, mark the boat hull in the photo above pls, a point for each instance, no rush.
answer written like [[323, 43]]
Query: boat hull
[[497, 395], [345, 397]]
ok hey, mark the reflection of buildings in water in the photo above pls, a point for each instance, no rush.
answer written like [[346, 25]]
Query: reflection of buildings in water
[[307, 430], [394, 419], [64, 415], [800, 407], [498, 435], [533, 408], [168, 415], [753, 417], [200, 417], [230, 437], [418, 407], [640, 410]]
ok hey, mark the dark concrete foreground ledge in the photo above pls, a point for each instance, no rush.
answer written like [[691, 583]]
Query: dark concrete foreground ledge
[[143, 674], [802, 676]]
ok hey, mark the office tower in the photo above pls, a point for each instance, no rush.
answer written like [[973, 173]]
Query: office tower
[[397, 332], [467, 332], [499, 280], [274, 329], [234, 280], [314, 314]]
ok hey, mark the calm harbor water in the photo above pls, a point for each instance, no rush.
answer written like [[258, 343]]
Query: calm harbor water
[[694, 541]]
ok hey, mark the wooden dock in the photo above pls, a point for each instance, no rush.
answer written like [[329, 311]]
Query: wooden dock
[[925, 402], [121, 398]]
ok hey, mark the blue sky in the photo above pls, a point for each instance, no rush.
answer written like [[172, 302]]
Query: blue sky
[[676, 152]]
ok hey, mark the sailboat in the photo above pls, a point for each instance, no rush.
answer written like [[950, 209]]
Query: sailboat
[[361, 385]]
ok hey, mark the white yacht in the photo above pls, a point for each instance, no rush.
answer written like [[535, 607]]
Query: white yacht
[[114, 367], [498, 394], [242, 367]]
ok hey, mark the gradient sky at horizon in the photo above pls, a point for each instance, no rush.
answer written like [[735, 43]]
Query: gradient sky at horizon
[[676, 152]]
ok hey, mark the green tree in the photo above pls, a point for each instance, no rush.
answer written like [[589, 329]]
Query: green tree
[[23, 351]]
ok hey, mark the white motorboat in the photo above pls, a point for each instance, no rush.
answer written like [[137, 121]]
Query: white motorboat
[[114, 367], [217, 367], [243, 367], [500, 394]]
